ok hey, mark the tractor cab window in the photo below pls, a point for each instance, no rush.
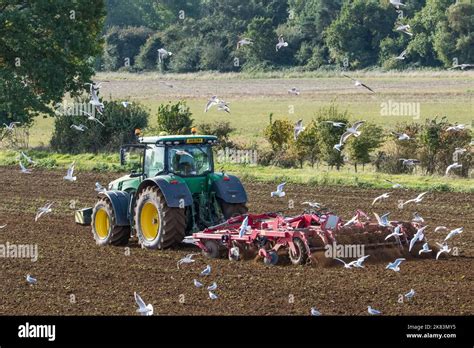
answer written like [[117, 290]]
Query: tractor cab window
[[154, 161], [190, 160]]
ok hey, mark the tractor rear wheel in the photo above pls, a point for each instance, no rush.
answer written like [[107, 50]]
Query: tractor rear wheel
[[103, 225], [158, 225], [233, 209]]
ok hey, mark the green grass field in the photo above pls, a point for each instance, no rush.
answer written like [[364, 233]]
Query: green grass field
[[253, 97]]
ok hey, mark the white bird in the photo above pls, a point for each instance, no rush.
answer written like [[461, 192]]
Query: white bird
[[187, 259], [212, 287], [357, 83], [396, 232], [443, 249], [79, 128], [416, 200], [44, 210], [409, 295], [354, 128], [211, 102], [402, 55], [358, 263], [92, 118], [395, 265], [281, 43], [315, 312], [3, 226], [441, 228], [244, 227], [426, 249], [24, 170], [404, 29], [346, 265], [401, 136], [409, 162], [206, 271], [99, 187], [163, 54], [462, 66], [298, 128], [352, 221], [456, 128], [459, 151], [9, 127], [455, 165], [95, 99], [417, 237], [234, 253], [394, 184], [417, 218], [373, 311], [294, 91], [243, 42], [313, 204], [126, 104], [383, 220], [453, 233], [28, 159], [212, 296], [279, 192], [30, 279], [383, 196], [197, 283], [342, 140], [335, 124], [143, 309], [223, 106], [70, 172], [397, 3]]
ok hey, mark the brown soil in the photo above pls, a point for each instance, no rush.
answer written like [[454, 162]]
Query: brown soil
[[103, 279]]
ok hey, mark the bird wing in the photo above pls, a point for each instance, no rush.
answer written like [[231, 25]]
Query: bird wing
[[99, 122], [422, 194], [348, 77], [139, 301], [340, 260], [209, 104], [344, 137], [370, 89], [280, 187], [357, 124]]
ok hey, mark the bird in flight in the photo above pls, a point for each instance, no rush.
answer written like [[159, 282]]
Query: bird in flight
[[357, 83], [279, 192], [92, 118], [455, 165], [143, 309], [404, 29], [70, 172], [79, 128], [243, 42], [281, 43], [298, 128], [163, 54]]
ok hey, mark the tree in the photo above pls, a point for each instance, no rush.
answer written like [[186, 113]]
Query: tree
[[307, 145], [46, 50], [174, 118], [279, 134], [358, 31], [362, 146]]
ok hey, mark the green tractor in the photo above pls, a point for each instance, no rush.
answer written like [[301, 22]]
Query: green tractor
[[173, 192]]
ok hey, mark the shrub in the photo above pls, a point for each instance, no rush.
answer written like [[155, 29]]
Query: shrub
[[119, 128], [279, 134], [147, 59], [220, 129], [174, 118]]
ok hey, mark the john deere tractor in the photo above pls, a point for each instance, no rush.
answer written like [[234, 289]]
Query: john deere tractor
[[172, 193]]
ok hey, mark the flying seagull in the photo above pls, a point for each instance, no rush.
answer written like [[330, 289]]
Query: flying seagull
[[417, 199], [396, 233], [281, 43], [402, 55], [458, 151], [211, 102], [358, 263], [453, 233], [443, 249], [279, 192], [187, 259], [294, 91], [298, 128], [126, 104], [394, 184], [163, 54], [24, 170], [346, 265], [313, 204], [143, 309], [10, 126], [456, 128], [462, 66], [401, 136], [417, 218], [3, 226], [417, 237], [79, 128], [28, 159], [426, 249], [43, 210], [95, 99], [70, 172], [335, 124], [441, 228], [383, 220], [397, 3], [342, 140], [383, 196], [455, 165], [409, 295], [395, 265], [92, 118], [354, 128], [243, 42], [99, 187], [404, 29], [357, 83], [244, 227]]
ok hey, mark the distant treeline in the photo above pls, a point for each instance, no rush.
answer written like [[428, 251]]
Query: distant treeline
[[321, 34]]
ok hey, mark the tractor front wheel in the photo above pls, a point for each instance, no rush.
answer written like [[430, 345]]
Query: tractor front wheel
[[103, 225], [158, 225]]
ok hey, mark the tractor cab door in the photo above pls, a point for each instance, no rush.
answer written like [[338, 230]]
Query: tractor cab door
[[154, 163]]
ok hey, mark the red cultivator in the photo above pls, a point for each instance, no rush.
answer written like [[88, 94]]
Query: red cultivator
[[301, 235]]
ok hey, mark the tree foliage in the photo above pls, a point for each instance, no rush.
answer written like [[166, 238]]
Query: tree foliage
[[174, 118]]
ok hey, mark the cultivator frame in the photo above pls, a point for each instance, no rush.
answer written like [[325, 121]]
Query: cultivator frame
[[300, 235]]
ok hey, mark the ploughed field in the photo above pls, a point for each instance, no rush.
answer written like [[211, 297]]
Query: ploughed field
[[77, 277]]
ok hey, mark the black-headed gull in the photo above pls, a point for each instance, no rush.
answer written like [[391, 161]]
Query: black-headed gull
[[453, 233], [397, 3], [212, 287], [3, 226], [455, 165], [416, 200], [315, 312], [279, 192], [395, 265], [30, 279], [357, 83], [281, 43], [143, 309], [346, 265], [187, 259], [462, 66], [417, 218], [99, 187], [382, 196], [70, 172], [401, 136], [383, 220], [396, 233], [92, 118], [335, 124], [163, 54], [409, 295], [28, 159], [373, 311], [206, 271], [243, 42], [44, 210], [417, 237], [212, 296], [298, 128], [24, 170], [426, 249], [9, 127], [358, 263], [244, 227], [401, 56], [294, 91], [409, 161], [404, 29], [342, 140], [354, 129], [197, 283], [455, 128], [394, 184], [443, 249], [79, 128], [441, 228], [312, 204]]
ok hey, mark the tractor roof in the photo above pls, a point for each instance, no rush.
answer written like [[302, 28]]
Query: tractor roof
[[179, 139]]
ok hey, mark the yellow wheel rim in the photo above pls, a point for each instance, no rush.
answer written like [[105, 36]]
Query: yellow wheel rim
[[102, 223], [150, 221]]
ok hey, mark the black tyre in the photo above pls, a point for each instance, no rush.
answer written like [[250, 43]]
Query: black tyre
[[158, 226], [213, 250], [103, 225], [233, 209], [300, 256]]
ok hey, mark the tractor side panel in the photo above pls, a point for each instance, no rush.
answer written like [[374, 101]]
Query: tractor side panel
[[120, 203], [174, 193], [231, 191]]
